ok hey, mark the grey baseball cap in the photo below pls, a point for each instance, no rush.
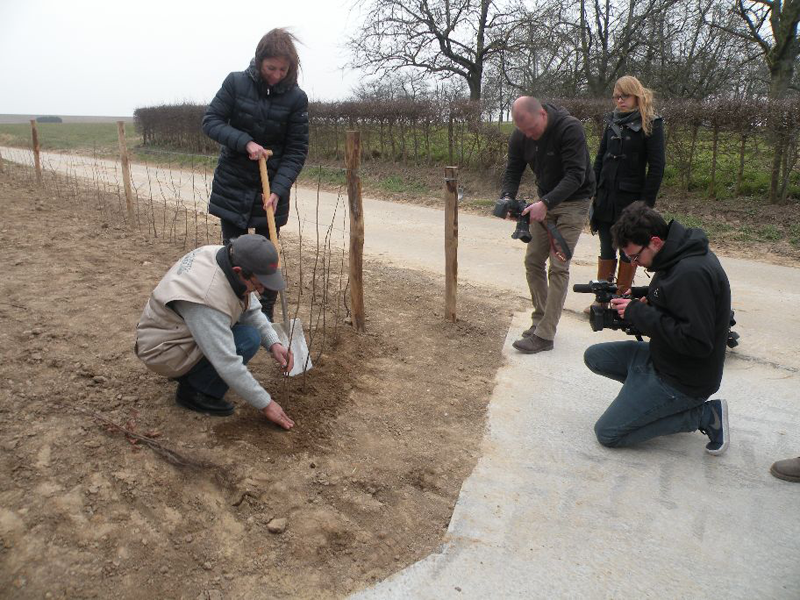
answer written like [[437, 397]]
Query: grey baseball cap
[[255, 253]]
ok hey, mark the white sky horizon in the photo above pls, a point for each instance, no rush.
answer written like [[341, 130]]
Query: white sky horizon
[[89, 57]]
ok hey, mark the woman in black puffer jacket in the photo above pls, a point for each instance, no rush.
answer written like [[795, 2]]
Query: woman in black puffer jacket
[[261, 108], [628, 167]]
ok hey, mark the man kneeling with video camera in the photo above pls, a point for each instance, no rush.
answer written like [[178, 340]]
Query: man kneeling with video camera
[[686, 315]]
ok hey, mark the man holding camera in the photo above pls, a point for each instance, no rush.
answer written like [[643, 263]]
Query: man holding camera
[[553, 144], [686, 315]]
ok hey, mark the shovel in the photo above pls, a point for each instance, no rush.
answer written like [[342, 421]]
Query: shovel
[[290, 332]]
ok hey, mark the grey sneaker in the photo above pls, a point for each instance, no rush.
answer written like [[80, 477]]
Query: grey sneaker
[[717, 430], [533, 344], [788, 470]]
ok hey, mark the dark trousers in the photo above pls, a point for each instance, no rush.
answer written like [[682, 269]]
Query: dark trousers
[[607, 251], [230, 231], [204, 378], [646, 406]]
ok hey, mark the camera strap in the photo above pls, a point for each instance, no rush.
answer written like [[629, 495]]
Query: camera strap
[[558, 245]]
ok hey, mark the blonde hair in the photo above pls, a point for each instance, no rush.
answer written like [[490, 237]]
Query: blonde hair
[[628, 84]]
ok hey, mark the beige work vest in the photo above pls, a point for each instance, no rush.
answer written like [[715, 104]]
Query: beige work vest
[[163, 341]]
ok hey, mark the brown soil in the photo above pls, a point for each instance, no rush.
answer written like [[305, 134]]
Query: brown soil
[[388, 427]]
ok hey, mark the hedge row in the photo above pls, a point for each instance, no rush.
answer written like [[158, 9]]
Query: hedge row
[[710, 144]]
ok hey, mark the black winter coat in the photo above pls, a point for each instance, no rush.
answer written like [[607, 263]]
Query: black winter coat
[[688, 313], [276, 117], [560, 160], [628, 167]]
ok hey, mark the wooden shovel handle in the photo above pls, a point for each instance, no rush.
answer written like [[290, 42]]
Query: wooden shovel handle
[[273, 231]]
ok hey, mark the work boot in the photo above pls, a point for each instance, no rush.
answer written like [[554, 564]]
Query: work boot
[[190, 398], [625, 277], [268, 303], [530, 330], [788, 470], [715, 415], [533, 344], [605, 272]]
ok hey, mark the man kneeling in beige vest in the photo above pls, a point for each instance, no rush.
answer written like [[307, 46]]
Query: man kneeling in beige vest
[[203, 323]]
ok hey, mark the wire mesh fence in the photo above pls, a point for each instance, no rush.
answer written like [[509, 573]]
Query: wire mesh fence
[[170, 197]]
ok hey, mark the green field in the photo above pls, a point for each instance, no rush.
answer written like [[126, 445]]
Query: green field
[[85, 138]]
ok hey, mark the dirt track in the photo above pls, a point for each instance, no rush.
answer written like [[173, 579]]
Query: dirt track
[[388, 426]]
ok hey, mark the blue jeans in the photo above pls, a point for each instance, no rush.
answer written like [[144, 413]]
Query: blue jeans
[[646, 406], [203, 377]]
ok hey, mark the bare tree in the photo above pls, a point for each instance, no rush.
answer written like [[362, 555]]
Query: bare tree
[[610, 33], [690, 54], [541, 57], [771, 26], [778, 42], [445, 38]]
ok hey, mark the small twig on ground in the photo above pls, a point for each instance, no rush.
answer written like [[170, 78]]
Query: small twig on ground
[[170, 455]]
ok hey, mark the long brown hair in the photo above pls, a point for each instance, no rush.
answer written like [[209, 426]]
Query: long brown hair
[[279, 43], [628, 84]]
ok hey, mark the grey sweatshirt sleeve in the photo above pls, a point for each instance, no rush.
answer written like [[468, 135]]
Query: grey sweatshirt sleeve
[[211, 330]]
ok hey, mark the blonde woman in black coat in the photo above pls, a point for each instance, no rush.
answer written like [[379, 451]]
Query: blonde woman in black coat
[[629, 166]]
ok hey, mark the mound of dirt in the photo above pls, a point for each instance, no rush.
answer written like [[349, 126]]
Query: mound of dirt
[[388, 426]]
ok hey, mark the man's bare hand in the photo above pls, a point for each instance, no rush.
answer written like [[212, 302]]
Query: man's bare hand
[[283, 356], [619, 305], [274, 413], [536, 211]]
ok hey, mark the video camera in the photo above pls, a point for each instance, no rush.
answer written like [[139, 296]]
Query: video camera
[[509, 207], [607, 318], [601, 317]]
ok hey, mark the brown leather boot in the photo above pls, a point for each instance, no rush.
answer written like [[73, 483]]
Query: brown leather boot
[[625, 277], [788, 470], [605, 270]]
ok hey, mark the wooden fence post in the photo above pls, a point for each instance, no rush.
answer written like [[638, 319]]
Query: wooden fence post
[[1, 162], [450, 242], [36, 158], [353, 160], [126, 170]]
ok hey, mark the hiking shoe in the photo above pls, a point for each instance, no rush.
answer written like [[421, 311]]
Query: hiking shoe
[[717, 430], [788, 470], [533, 344], [529, 332], [190, 398]]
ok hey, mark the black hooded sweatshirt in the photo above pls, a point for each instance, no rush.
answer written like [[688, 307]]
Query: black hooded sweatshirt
[[687, 317], [559, 160]]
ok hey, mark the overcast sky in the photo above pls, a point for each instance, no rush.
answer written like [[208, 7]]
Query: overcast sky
[[91, 57]]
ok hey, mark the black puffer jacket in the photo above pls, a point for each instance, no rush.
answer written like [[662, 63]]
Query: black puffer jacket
[[629, 166], [688, 313], [247, 109]]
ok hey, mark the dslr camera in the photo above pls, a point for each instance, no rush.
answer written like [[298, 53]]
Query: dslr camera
[[607, 318], [509, 207], [601, 317]]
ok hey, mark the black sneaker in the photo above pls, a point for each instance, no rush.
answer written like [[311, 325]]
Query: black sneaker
[[190, 398], [717, 429]]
